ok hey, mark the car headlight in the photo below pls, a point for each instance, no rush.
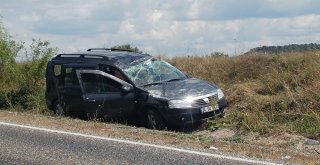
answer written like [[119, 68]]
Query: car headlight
[[220, 94], [186, 103]]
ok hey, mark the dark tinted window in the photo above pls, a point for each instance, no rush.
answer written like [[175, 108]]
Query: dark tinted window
[[94, 83], [57, 70], [70, 77], [112, 71]]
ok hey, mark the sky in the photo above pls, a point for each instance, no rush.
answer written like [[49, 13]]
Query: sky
[[169, 27]]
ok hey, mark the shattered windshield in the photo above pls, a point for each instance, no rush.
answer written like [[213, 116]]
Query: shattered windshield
[[152, 71]]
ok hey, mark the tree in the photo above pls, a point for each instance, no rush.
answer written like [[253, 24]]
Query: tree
[[218, 54], [285, 48], [8, 52], [127, 47], [22, 82], [32, 81], [34, 67]]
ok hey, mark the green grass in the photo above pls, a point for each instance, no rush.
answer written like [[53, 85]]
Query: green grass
[[308, 124]]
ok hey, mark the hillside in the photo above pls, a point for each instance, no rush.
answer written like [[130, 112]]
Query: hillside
[[285, 49], [268, 94]]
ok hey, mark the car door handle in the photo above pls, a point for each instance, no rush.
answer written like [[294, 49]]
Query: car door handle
[[91, 100]]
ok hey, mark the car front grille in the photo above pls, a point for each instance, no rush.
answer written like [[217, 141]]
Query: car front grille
[[211, 100]]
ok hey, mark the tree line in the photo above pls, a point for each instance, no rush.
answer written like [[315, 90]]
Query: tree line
[[285, 49]]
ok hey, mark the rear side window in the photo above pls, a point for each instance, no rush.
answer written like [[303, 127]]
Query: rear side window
[[70, 77], [94, 83], [57, 70]]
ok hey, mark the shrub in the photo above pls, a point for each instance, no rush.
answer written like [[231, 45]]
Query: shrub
[[4, 101]]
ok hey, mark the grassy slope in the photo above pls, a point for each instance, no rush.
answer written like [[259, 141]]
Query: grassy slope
[[266, 93]]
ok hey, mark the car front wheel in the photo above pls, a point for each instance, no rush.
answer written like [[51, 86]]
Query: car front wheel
[[155, 120]]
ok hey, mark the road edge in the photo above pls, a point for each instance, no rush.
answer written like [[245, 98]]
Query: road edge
[[220, 156]]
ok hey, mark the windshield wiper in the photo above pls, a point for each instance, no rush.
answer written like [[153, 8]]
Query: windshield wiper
[[162, 82], [154, 83], [176, 79]]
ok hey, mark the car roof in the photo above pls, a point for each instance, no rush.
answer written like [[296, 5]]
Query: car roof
[[115, 57]]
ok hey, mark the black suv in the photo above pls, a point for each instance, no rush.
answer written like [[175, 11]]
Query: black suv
[[113, 83]]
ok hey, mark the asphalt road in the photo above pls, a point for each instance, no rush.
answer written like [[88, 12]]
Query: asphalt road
[[26, 145]]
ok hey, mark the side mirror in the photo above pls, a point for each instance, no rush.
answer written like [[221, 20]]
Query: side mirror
[[127, 88]]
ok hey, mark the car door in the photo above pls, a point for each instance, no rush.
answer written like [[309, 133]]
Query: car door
[[70, 93], [105, 95]]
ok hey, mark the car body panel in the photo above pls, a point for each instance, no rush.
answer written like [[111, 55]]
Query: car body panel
[[108, 104], [189, 87]]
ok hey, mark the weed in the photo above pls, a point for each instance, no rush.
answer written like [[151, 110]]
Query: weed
[[308, 124], [235, 139]]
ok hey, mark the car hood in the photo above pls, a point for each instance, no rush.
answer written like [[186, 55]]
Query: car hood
[[190, 87]]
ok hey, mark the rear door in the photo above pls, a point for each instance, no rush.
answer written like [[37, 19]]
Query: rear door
[[70, 93], [105, 95]]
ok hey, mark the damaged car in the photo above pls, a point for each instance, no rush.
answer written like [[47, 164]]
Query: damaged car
[[112, 83]]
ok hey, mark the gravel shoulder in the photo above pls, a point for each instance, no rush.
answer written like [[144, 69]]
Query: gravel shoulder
[[285, 148]]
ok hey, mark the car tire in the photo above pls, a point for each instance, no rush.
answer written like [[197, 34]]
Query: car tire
[[58, 109], [155, 120], [222, 114]]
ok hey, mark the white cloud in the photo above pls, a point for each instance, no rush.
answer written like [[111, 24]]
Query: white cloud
[[288, 5], [193, 12], [155, 16], [171, 27], [126, 28], [306, 22], [30, 18]]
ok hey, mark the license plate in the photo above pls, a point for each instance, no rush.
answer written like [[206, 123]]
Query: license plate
[[213, 105], [207, 109]]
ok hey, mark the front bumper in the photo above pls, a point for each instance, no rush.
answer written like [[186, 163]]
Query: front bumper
[[183, 116]]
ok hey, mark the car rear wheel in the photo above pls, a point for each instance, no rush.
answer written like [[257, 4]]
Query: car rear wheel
[[155, 120], [58, 110]]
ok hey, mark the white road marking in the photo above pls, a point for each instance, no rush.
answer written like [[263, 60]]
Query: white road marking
[[139, 143]]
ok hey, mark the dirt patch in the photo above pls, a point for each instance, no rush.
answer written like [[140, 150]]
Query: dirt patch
[[218, 134]]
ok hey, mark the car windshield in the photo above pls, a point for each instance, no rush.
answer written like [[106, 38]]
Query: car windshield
[[152, 71]]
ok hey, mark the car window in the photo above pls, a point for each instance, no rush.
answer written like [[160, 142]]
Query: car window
[[94, 83], [113, 71], [57, 70], [152, 71], [70, 77]]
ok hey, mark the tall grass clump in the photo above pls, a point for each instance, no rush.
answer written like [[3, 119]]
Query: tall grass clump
[[268, 93]]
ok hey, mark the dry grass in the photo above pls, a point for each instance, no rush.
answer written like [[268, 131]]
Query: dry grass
[[266, 93]]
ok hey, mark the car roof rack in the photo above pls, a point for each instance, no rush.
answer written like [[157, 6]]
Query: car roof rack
[[80, 56], [108, 49]]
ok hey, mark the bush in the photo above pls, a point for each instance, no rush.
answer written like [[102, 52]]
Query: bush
[[22, 83], [4, 101]]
